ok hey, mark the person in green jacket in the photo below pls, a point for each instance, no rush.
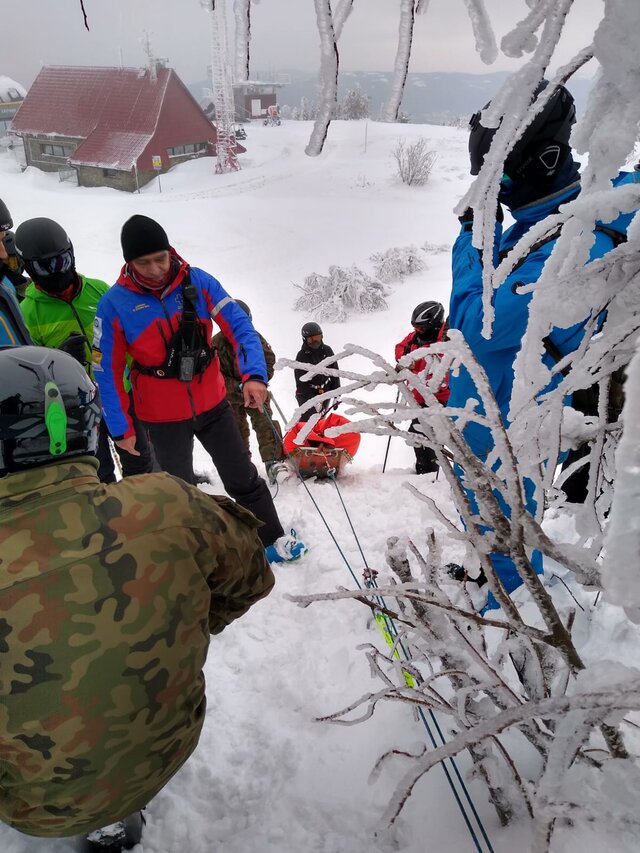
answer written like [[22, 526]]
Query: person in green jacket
[[59, 308], [263, 423], [108, 596]]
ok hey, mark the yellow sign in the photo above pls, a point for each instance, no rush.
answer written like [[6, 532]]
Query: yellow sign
[[156, 161]]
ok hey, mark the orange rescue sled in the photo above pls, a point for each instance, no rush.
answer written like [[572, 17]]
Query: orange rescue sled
[[321, 456]]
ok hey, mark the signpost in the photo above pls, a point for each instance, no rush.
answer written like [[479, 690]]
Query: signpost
[[156, 161]]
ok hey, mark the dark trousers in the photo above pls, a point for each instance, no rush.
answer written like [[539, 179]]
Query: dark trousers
[[426, 462], [143, 464], [217, 431]]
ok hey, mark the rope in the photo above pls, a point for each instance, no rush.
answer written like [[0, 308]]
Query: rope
[[391, 637], [393, 631]]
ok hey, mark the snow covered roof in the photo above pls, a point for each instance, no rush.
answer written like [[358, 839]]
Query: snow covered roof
[[9, 88], [114, 109]]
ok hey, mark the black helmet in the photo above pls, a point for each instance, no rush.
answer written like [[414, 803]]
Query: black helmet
[[542, 148], [6, 222], [310, 329], [245, 308], [428, 314], [47, 253], [49, 408]]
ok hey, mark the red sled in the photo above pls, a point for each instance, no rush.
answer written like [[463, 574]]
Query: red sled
[[321, 456]]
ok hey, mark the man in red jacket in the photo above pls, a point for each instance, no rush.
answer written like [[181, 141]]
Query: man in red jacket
[[428, 328], [159, 315]]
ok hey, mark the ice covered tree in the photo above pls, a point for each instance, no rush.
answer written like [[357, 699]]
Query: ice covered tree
[[408, 11], [344, 291], [330, 26], [524, 673], [397, 263]]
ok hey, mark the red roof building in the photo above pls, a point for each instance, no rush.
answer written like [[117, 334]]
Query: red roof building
[[115, 127]]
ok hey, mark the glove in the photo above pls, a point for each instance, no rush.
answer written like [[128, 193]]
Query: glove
[[467, 216], [75, 346]]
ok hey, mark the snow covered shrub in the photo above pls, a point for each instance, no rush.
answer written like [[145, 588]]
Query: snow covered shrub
[[435, 248], [354, 105], [414, 162], [343, 292], [397, 263]]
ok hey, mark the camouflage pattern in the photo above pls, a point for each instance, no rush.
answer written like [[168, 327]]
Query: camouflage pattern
[[108, 594], [270, 448]]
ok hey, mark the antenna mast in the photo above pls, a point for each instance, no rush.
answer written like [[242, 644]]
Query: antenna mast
[[222, 88]]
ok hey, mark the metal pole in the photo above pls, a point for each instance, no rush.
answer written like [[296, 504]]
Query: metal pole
[[386, 455], [279, 410]]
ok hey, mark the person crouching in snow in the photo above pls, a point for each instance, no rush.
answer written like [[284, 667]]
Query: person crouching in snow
[[109, 594], [428, 328]]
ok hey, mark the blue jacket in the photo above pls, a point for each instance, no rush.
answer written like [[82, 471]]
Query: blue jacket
[[13, 331], [497, 355], [135, 324]]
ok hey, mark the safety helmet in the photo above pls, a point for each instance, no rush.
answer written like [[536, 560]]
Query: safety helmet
[[310, 330], [49, 408], [6, 222], [44, 248], [542, 148], [428, 314], [245, 308]]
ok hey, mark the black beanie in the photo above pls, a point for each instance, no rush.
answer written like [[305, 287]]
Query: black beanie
[[140, 236]]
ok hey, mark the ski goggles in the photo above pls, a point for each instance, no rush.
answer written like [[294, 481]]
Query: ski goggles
[[51, 266]]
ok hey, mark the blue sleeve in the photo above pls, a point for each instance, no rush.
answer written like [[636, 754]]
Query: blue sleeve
[[109, 363], [235, 325]]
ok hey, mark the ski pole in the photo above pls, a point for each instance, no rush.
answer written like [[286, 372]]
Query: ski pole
[[280, 412], [386, 455]]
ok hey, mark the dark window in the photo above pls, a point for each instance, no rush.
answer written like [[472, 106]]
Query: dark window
[[189, 148], [110, 173], [57, 150]]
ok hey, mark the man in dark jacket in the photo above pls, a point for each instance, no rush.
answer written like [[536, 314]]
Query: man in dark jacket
[[267, 430], [160, 315], [313, 351], [108, 597]]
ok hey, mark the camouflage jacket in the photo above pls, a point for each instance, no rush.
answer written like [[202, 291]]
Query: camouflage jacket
[[229, 364], [108, 594]]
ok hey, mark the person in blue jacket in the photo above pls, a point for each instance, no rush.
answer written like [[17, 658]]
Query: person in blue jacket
[[539, 175], [157, 319], [13, 331]]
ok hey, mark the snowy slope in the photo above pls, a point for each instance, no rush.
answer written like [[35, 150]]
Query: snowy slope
[[266, 777]]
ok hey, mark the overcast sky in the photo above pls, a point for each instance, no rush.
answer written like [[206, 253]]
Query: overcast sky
[[41, 32]]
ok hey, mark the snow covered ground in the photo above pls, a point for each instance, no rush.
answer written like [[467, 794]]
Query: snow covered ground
[[266, 777]]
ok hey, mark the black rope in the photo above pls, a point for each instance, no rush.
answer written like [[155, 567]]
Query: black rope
[[84, 14]]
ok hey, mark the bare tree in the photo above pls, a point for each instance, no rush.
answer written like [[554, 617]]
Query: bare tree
[[330, 27], [408, 11]]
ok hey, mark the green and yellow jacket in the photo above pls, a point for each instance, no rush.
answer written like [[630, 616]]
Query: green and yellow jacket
[[51, 320], [108, 595]]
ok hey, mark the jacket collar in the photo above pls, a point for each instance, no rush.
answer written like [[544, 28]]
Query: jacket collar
[[68, 473], [126, 279]]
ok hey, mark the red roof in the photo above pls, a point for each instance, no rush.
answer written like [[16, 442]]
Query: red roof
[[115, 110]]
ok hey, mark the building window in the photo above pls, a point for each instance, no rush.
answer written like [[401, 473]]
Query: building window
[[190, 148], [110, 173], [57, 150]]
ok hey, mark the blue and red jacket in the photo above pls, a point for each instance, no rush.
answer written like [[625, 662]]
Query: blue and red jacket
[[134, 324]]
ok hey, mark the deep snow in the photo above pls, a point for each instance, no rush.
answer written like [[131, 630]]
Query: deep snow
[[265, 776]]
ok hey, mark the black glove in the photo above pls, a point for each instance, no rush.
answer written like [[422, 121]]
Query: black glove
[[467, 216], [76, 346]]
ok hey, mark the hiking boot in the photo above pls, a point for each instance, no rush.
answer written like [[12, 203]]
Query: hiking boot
[[286, 549], [119, 836], [277, 472]]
